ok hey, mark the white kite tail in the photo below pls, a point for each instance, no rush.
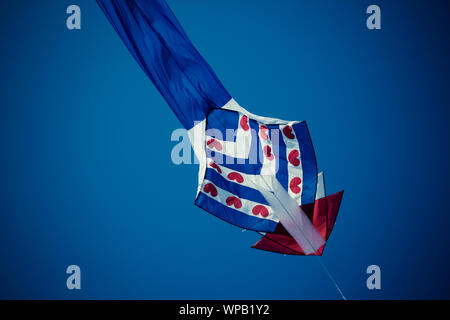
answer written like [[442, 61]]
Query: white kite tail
[[291, 216], [294, 219]]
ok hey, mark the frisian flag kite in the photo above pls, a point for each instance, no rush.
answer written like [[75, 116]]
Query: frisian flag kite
[[261, 177]]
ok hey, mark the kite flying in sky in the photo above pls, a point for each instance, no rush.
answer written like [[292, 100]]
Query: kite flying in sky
[[262, 177]]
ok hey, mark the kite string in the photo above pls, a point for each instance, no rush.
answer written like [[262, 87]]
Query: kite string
[[322, 264], [324, 267]]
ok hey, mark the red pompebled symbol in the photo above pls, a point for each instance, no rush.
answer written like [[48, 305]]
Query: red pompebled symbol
[[236, 176], [293, 157], [214, 144], [215, 166], [295, 185], [234, 201], [288, 132], [268, 152], [263, 132], [244, 123], [210, 188], [260, 209]]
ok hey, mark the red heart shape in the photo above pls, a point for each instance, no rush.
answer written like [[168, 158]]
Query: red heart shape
[[232, 200], [260, 209], [293, 157], [288, 132], [235, 176], [268, 152], [262, 132], [244, 123], [215, 166], [213, 143], [294, 185], [210, 188]]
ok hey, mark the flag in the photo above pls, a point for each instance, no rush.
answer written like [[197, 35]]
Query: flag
[[255, 172]]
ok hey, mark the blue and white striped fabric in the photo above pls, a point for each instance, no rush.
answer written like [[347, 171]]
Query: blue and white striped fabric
[[237, 167], [230, 176]]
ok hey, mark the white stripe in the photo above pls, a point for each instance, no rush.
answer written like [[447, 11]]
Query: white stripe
[[292, 217], [233, 105], [293, 171], [268, 166], [320, 191], [197, 137], [250, 180]]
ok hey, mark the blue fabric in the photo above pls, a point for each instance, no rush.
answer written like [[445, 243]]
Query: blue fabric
[[234, 216], [155, 38], [241, 191], [282, 174], [308, 160], [219, 121]]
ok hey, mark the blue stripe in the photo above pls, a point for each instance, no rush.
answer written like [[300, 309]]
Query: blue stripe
[[156, 40], [233, 216], [239, 190], [282, 174], [308, 161], [235, 164], [219, 121], [250, 165]]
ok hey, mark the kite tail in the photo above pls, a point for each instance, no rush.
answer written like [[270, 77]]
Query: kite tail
[[159, 44]]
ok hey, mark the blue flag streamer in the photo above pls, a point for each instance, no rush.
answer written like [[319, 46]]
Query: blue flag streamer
[[155, 38]]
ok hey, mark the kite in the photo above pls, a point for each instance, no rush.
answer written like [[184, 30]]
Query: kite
[[255, 172]]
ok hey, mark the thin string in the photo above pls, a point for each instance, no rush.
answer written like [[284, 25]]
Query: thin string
[[324, 267]]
